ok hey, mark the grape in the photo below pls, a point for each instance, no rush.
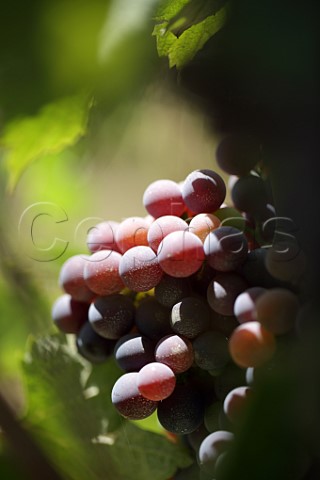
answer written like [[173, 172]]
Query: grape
[[237, 154], [182, 412], [286, 261], [162, 226], [212, 416], [139, 269], [102, 237], [202, 224], [223, 323], [180, 254], [156, 381], [92, 346], [249, 194], [190, 317], [171, 290], [134, 351], [195, 438], [211, 350], [231, 377], [203, 191], [72, 281], [69, 315], [176, 352], [163, 197], [153, 319], [112, 316], [223, 291], [131, 232], [226, 249], [245, 304], [212, 446], [231, 217], [127, 399], [276, 310], [202, 278], [101, 272], [236, 402], [254, 269], [251, 345]]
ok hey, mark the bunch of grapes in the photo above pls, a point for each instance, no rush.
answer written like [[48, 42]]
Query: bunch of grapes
[[190, 300]]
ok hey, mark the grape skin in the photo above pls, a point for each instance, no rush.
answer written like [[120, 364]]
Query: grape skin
[[71, 278], [153, 319], [236, 402], [101, 272], [245, 304], [226, 249], [237, 154], [171, 290], [212, 446], [180, 254], [203, 191], [156, 381], [202, 224], [223, 291], [127, 399], [277, 309], [211, 350], [102, 237], [190, 317], [92, 346], [112, 316], [133, 351], [68, 314], [182, 412], [163, 197], [176, 352], [162, 226], [131, 232], [251, 345], [139, 269]]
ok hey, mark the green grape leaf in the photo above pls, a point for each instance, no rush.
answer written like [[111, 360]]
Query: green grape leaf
[[56, 126], [71, 415], [142, 455], [186, 33], [168, 9]]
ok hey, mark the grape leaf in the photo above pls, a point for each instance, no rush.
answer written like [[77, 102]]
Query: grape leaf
[[87, 439], [186, 33], [168, 9], [142, 455], [56, 126]]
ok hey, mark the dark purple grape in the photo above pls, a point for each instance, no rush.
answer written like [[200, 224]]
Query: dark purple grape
[[171, 290], [226, 248], [249, 194], [211, 350], [153, 319], [182, 412], [133, 351], [92, 346], [203, 191], [237, 153], [255, 272], [231, 377], [212, 447], [245, 304], [68, 314], [127, 399], [112, 316], [223, 291], [190, 317]]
